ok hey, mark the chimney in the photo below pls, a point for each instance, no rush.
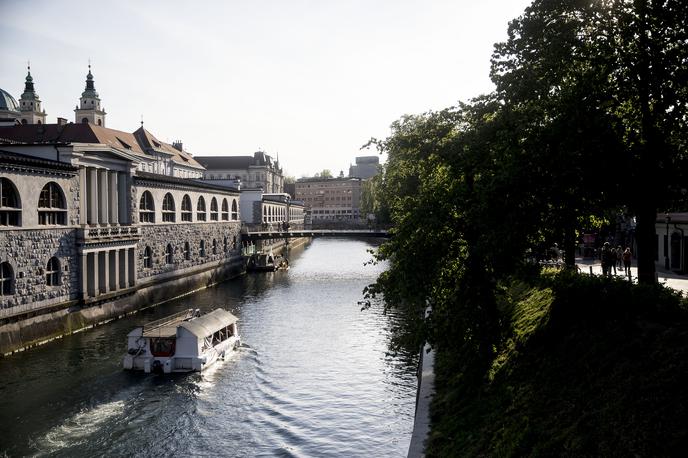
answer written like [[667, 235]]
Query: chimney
[[178, 145], [61, 121]]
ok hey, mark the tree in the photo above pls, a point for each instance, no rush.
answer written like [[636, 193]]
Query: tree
[[606, 80]]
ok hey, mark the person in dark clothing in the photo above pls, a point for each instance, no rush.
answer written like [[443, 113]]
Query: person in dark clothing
[[608, 257], [627, 256]]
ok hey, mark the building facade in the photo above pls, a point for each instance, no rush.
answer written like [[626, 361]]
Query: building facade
[[330, 199], [96, 222], [254, 172], [366, 167]]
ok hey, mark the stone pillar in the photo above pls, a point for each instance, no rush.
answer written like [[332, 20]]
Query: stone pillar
[[127, 270], [123, 197], [92, 192], [92, 263], [84, 275], [114, 270], [122, 256], [132, 266], [113, 191], [83, 192], [103, 215], [103, 268]]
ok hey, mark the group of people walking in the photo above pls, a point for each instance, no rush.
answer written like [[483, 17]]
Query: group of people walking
[[613, 258]]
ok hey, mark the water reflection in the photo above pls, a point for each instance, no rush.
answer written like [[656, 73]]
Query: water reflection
[[313, 380]]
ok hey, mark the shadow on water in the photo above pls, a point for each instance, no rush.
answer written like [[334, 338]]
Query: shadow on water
[[312, 378]]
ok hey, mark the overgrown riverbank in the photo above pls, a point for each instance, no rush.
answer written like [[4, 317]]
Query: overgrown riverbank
[[585, 367]]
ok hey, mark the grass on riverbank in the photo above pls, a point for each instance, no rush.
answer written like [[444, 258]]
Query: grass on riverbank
[[587, 367]]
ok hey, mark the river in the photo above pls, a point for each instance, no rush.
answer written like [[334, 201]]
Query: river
[[314, 377]]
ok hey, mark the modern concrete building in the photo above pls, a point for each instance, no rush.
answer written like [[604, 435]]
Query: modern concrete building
[[257, 171], [330, 199], [366, 167]]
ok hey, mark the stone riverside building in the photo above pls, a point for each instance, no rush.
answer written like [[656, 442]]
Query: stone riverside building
[[253, 172], [96, 222]]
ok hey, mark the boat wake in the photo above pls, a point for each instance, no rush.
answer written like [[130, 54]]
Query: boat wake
[[77, 429]]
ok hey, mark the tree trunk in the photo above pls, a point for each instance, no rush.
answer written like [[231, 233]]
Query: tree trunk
[[570, 246], [645, 237]]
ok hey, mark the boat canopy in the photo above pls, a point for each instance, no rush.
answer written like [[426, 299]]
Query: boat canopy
[[209, 323]]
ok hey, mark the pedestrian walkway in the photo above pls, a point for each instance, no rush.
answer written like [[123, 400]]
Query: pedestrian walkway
[[670, 279]]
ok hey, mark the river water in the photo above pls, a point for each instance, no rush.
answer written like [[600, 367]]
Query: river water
[[313, 379]]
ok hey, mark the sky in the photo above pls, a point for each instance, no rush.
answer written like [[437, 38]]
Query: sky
[[307, 81]]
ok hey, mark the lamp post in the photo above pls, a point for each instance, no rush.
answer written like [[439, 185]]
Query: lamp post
[[667, 218]]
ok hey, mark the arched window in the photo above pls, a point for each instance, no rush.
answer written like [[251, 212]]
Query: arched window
[[146, 208], [6, 279], [187, 251], [169, 254], [213, 209], [24, 121], [234, 243], [10, 208], [235, 212], [265, 213], [225, 210], [201, 249], [52, 272], [214, 246], [51, 205], [168, 214], [186, 208], [100, 123], [200, 209], [225, 244], [147, 258], [84, 120]]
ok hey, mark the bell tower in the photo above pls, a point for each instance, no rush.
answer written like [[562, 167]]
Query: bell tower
[[89, 110], [30, 104]]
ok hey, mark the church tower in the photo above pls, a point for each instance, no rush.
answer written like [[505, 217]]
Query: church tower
[[30, 104], [88, 110]]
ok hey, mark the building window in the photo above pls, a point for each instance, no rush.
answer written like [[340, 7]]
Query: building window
[[168, 215], [146, 208], [187, 251], [10, 209], [225, 244], [169, 254], [186, 208], [214, 246], [213, 210], [52, 272], [147, 258], [235, 212], [201, 249], [234, 243], [200, 209], [225, 210], [6, 279], [51, 205]]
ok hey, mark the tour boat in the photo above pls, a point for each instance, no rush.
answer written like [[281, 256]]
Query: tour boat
[[184, 342], [266, 262]]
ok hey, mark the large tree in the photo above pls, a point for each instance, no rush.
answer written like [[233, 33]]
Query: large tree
[[603, 78]]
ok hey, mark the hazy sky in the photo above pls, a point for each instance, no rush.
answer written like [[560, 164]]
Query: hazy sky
[[310, 80]]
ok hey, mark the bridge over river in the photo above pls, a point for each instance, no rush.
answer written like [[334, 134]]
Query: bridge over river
[[263, 235]]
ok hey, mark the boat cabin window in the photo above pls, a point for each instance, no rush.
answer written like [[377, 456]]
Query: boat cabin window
[[162, 346]]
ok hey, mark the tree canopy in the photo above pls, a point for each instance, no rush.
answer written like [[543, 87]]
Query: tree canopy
[[588, 116]]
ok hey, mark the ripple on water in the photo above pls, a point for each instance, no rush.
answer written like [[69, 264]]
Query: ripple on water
[[314, 378]]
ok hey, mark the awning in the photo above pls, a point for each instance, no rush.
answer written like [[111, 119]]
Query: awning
[[209, 323]]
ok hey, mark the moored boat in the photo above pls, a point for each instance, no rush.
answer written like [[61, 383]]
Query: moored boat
[[184, 342]]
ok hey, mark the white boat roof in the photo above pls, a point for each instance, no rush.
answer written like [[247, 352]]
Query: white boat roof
[[209, 323]]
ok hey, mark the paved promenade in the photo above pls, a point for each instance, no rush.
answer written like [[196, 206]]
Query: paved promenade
[[670, 279]]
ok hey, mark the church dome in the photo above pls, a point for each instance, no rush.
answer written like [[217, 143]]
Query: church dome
[[7, 102]]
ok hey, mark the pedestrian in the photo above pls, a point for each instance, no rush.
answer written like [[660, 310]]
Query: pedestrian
[[605, 256], [612, 260], [619, 257], [627, 256]]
